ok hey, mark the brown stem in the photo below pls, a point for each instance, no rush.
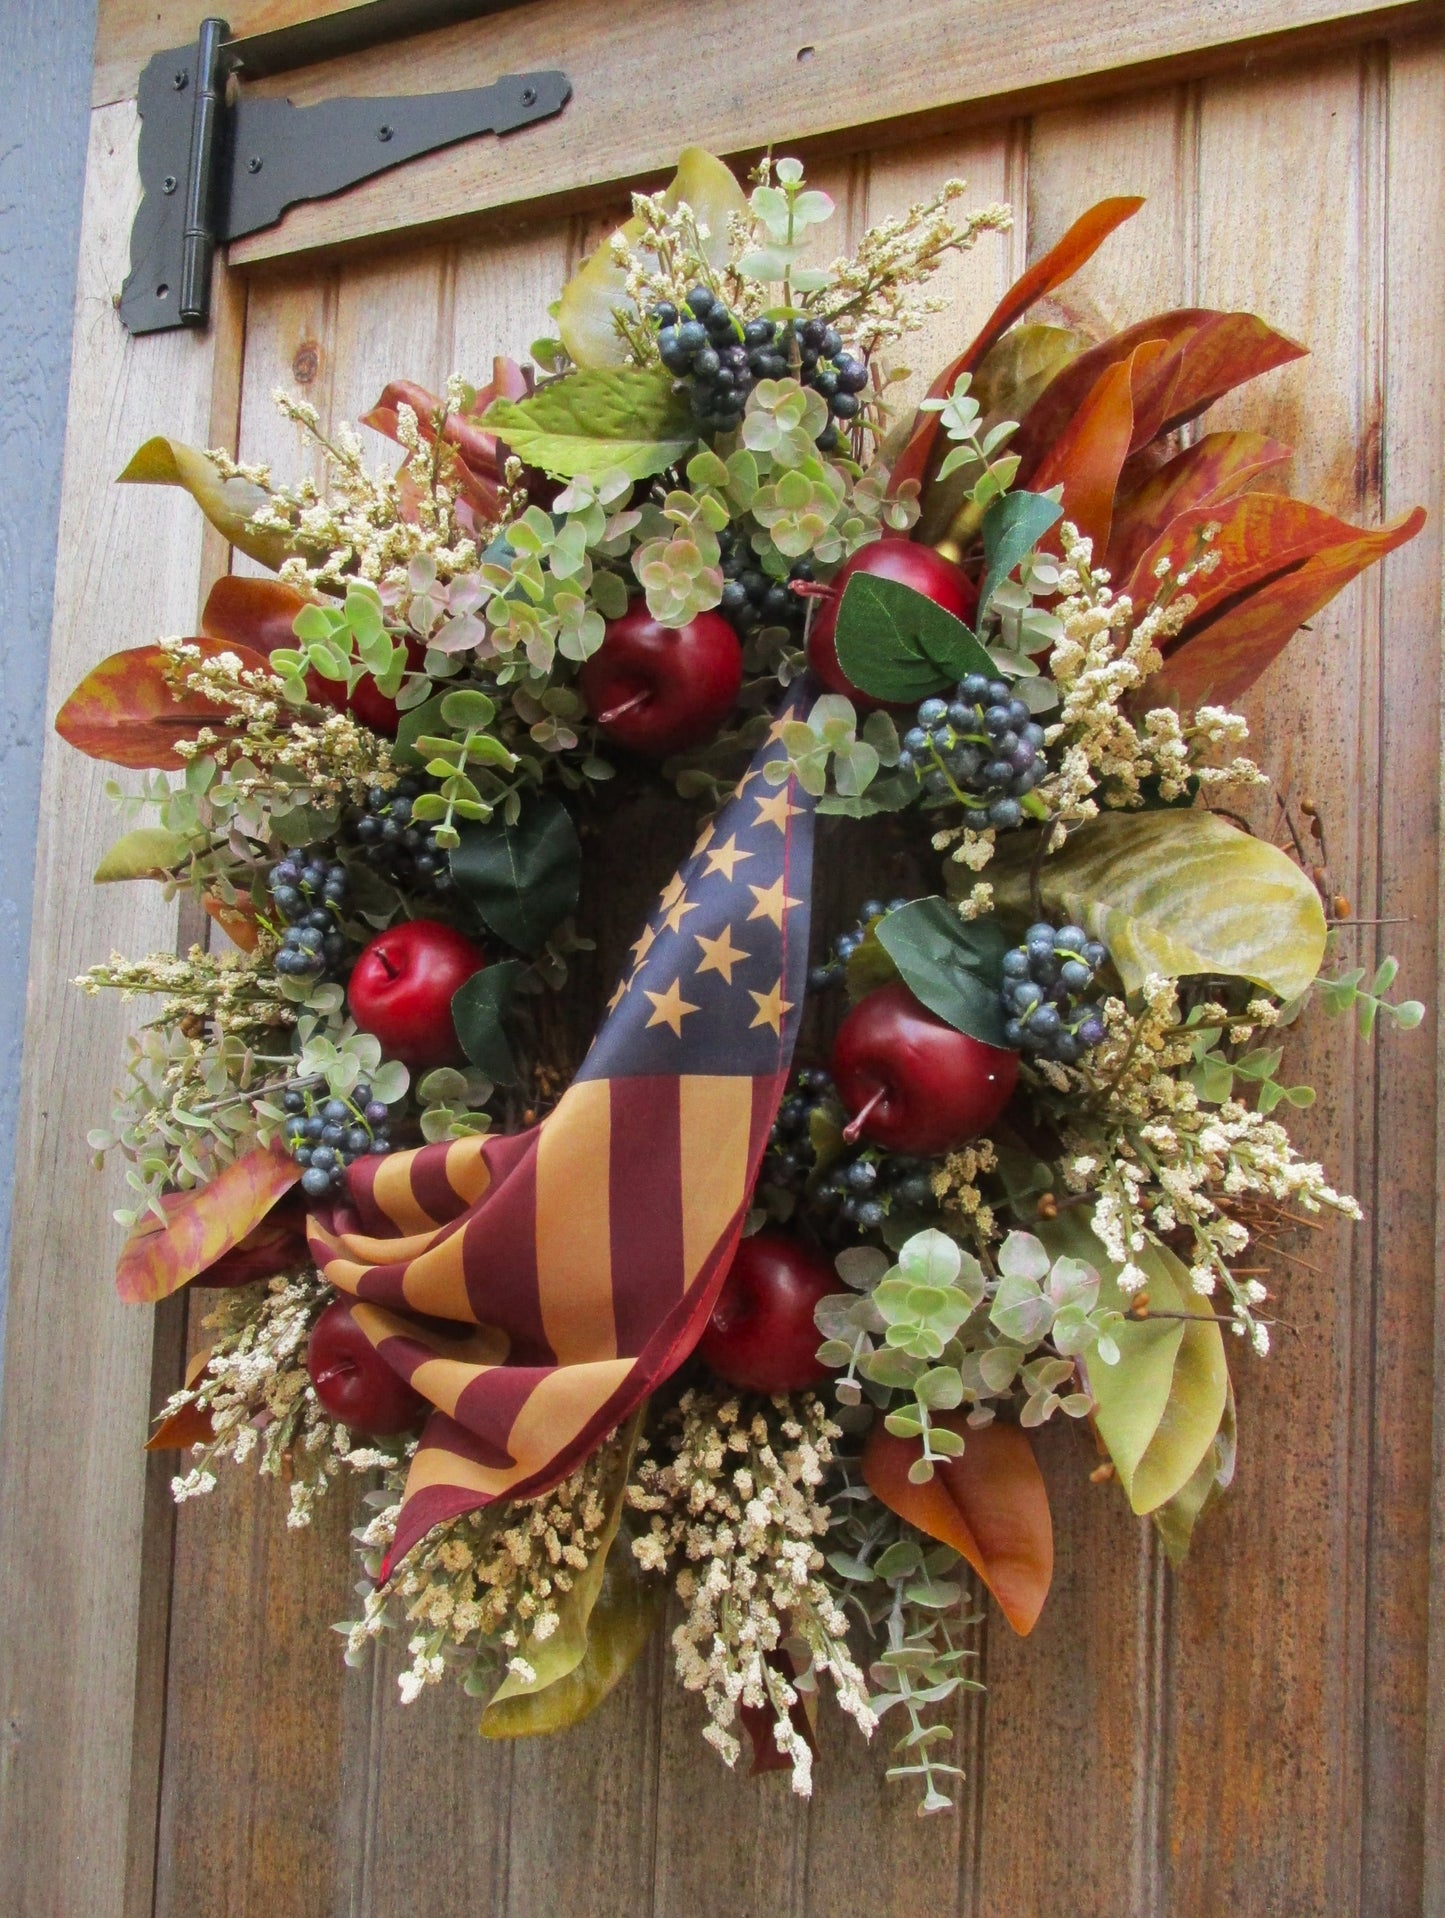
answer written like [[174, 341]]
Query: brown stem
[[854, 1127]]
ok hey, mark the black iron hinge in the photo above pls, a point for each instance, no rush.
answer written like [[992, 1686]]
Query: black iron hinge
[[214, 168]]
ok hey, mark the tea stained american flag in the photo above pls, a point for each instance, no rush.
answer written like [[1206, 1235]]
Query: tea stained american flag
[[535, 1287]]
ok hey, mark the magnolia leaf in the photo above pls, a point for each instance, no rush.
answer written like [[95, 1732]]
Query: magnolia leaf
[[1012, 527], [275, 1244], [126, 712], [201, 1226], [599, 286], [227, 503], [479, 1013], [1087, 457], [953, 966], [259, 613], [1050, 270], [1176, 1519], [147, 852], [601, 420], [897, 645], [1177, 892], [521, 879], [237, 919], [989, 1504], [1214, 469], [1159, 1406]]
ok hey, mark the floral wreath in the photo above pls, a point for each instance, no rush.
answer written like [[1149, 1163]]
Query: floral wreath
[[774, 1332]]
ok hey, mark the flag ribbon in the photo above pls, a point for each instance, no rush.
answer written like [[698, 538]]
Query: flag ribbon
[[534, 1287]]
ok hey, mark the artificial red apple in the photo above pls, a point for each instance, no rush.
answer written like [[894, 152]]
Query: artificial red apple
[[761, 1335], [659, 689], [401, 990], [906, 561], [354, 1382], [367, 703], [912, 1082]]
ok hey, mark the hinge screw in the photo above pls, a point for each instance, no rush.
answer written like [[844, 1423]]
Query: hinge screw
[[168, 184], [180, 81], [253, 165], [529, 96], [383, 133]]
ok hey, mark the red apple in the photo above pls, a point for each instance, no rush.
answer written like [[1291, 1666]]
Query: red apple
[[401, 990], [892, 557], [913, 1082], [761, 1335], [354, 1382], [659, 689], [367, 703]]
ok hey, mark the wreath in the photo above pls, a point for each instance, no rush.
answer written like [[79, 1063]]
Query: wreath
[[691, 1312]]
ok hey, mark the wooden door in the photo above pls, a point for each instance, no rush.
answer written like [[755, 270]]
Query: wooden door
[[1257, 1734]]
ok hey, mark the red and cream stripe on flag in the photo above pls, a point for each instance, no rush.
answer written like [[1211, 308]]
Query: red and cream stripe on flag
[[535, 1287]]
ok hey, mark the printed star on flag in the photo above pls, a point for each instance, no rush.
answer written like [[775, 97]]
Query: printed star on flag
[[725, 858], [669, 1008], [721, 954], [674, 916], [775, 811], [772, 903], [771, 1007]]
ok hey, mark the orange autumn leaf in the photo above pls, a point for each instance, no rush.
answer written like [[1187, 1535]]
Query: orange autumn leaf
[[259, 613], [237, 921], [478, 455], [191, 1425], [201, 1226], [276, 1244], [126, 712], [1218, 661], [1214, 469], [990, 1505], [1089, 454], [1209, 354], [1050, 270], [1258, 537]]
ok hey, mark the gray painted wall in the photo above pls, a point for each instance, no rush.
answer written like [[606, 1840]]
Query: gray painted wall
[[45, 56]]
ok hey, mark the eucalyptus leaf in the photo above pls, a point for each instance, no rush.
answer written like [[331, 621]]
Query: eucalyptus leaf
[[1012, 527], [479, 1013], [1176, 893], [953, 966], [521, 878], [1159, 1407], [896, 644], [598, 420]]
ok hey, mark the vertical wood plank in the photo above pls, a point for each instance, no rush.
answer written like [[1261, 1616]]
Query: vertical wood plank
[[77, 1376]]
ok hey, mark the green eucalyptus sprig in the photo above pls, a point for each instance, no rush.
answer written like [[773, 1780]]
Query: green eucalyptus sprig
[[1348, 990]]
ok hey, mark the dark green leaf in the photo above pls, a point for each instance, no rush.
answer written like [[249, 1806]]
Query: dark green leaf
[[895, 644], [954, 966], [419, 723], [1012, 527], [479, 1013], [521, 879], [884, 795]]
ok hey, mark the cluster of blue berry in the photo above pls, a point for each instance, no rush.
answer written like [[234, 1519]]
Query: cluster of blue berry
[[1044, 985], [722, 357], [982, 743], [308, 890], [832, 971], [865, 1187], [789, 1160], [403, 851], [750, 598], [328, 1136]]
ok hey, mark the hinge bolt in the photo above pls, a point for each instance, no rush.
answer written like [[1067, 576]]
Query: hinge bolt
[[253, 165], [529, 96], [181, 80], [168, 184], [383, 133]]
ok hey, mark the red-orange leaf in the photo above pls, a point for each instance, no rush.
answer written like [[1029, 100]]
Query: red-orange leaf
[[238, 921], [124, 711], [1216, 468], [259, 613], [1260, 536], [201, 1226], [277, 1244], [1210, 353], [1089, 454], [1223, 659], [191, 1425], [478, 464], [990, 1505], [1050, 270]]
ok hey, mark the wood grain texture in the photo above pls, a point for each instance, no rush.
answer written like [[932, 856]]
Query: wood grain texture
[[72, 1474], [1257, 1734], [817, 71]]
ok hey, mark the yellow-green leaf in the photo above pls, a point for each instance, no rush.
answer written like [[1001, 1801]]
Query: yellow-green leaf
[[604, 420], [554, 1657], [1159, 1408], [584, 315], [149, 852], [628, 1606], [1176, 1519], [1177, 892], [227, 503]]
